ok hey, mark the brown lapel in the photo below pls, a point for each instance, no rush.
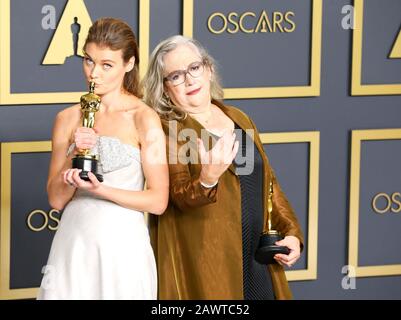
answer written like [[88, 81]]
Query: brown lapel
[[242, 120]]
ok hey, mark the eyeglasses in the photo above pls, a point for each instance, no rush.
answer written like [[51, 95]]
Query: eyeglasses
[[178, 77]]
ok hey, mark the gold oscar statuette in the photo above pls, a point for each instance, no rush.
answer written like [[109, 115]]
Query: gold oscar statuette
[[84, 160], [267, 244]]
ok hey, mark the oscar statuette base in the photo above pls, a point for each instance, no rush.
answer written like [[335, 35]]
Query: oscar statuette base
[[267, 248], [87, 163]]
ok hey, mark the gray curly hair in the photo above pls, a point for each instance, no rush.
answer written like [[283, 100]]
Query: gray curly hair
[[153, 81]]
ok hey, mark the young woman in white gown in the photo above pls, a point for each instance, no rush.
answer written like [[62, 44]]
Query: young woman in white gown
[[101, 249]]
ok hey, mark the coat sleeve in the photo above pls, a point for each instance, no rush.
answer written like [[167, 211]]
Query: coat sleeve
[[186, 191], [283, 216], [284, 219]]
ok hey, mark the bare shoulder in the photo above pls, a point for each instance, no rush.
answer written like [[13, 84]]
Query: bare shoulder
[[67, 120], [146, 117], [70, 114]]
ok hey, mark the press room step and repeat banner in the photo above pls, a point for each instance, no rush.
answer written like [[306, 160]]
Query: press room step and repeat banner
[[321, 79]]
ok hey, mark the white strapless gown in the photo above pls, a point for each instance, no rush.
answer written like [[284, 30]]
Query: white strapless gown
[[102, 250]]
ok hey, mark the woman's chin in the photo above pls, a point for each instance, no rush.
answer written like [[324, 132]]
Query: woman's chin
[[99, 91], [198, 100]]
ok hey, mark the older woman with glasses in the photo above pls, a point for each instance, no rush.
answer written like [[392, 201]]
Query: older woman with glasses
[[205, 243]]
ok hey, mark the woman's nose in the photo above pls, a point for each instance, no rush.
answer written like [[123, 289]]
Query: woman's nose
[[189, 80], [94, 72]]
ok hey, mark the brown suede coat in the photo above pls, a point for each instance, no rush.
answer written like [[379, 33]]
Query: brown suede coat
[[198, 240]]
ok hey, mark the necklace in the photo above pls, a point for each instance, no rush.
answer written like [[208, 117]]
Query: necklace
[[199, 118]]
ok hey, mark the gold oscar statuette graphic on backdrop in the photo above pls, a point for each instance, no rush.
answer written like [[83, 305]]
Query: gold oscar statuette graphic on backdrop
[[90, 104], [396, 50], [71, 32], [267, 247]]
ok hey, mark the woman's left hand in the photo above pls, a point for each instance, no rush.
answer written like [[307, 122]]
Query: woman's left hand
[[93, 185], [293, 244]]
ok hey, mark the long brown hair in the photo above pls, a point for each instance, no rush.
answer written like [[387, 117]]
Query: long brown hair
[[118, 35]]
